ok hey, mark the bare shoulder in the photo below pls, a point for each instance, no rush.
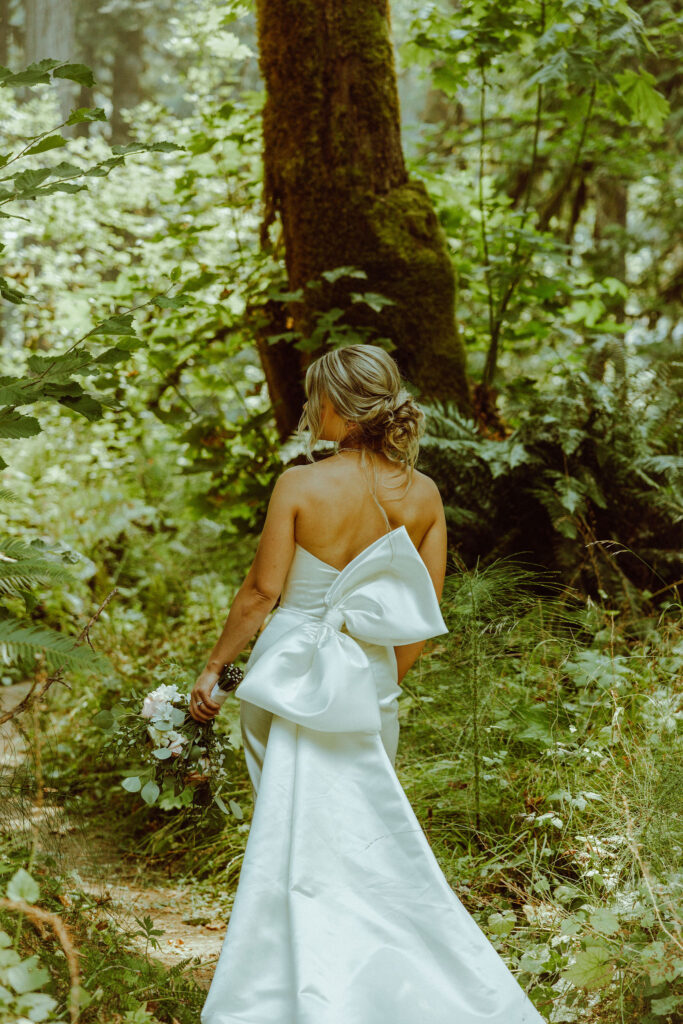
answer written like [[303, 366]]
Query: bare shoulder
[[428, 492], [299, 483]]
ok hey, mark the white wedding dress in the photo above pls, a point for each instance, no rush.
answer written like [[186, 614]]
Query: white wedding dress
[[342, 914]]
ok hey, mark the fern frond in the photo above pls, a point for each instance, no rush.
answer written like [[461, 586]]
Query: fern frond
[[443, 421], [21, 568], [21, 640]]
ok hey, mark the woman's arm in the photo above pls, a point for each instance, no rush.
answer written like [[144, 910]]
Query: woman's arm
[[433, 551], [259, 592]]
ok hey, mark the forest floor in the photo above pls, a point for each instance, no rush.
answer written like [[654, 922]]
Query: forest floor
[[121, 886]]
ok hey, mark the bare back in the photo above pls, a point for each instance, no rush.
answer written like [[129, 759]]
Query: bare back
[[327, 508], [338, 517]]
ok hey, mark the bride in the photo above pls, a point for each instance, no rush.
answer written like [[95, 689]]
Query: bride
[[342, 914]]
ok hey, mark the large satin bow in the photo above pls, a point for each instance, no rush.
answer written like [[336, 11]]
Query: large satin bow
[[319, 677]]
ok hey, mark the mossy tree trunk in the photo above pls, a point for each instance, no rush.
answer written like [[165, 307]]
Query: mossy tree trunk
[[336, 177]]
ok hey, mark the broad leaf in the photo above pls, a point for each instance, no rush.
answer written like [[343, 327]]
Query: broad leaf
[[27, 976], [592, 968], [22, 886], [81, 114], [86, 405], [51, 142], [15, 425], [120, 324], [149, 793], [32, 75], [80, 73]]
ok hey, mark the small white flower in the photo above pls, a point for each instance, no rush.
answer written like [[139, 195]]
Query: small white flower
[[159, 703], [175, 742], [166, 692]]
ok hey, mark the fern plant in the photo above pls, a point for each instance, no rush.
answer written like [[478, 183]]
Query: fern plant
[[23, 569], [588, 483]]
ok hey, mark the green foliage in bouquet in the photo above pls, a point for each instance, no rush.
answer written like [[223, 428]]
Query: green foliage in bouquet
[[172, 761]]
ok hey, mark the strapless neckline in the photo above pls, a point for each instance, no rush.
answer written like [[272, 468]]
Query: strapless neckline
[[360, 554]]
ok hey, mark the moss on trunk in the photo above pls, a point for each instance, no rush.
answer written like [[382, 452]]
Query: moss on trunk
[[335, 175]]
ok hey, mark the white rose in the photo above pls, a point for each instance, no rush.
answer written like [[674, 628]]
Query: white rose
[[150, 707]]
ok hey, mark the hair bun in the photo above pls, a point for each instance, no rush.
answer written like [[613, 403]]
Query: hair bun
[[364, 385]]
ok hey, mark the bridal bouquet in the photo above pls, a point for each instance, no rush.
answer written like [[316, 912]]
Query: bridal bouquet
[[178, 761]]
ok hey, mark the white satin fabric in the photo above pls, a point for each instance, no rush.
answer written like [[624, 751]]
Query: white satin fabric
[[342, 914]]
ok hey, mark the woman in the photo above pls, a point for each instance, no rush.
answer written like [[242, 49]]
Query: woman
[[342, 914]]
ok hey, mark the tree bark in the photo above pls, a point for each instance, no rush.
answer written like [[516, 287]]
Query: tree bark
[[50, 33], [4, 32], [335, 175], [125, 90]]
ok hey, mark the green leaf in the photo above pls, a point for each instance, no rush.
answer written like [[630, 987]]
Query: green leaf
[[604, 921], [164, 302], [132, 784], [104, 719], [147, 147], [592, 968], [236, 810], [80, 73], [219, 803], [36, 1006], [150, 791], [338, 272], [22, 887], [163, 753], [27, 181], [663, 1007], [27, 976], [86, 405], [112, 356], [32, 75], [51, 142], [15, 425], [177, 716], [60, 366], [120, 324], [501, 924], [81, 114], [375, 301], [279, 296], [10, 293], [647, 104], [534, 961]]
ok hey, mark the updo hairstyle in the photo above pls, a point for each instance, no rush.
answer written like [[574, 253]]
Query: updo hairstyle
[[364, 386]]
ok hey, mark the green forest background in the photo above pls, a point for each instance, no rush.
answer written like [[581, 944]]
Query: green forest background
[[196, 198]]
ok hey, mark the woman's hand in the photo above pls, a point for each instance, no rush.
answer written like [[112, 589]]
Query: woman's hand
[[202, 708]]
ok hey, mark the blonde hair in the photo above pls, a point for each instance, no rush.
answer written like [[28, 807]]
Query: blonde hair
[[364, 386]]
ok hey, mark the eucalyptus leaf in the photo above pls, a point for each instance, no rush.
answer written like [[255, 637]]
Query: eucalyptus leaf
[[149, 793]]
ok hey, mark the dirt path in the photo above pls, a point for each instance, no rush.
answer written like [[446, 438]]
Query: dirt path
[[186, 915]]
